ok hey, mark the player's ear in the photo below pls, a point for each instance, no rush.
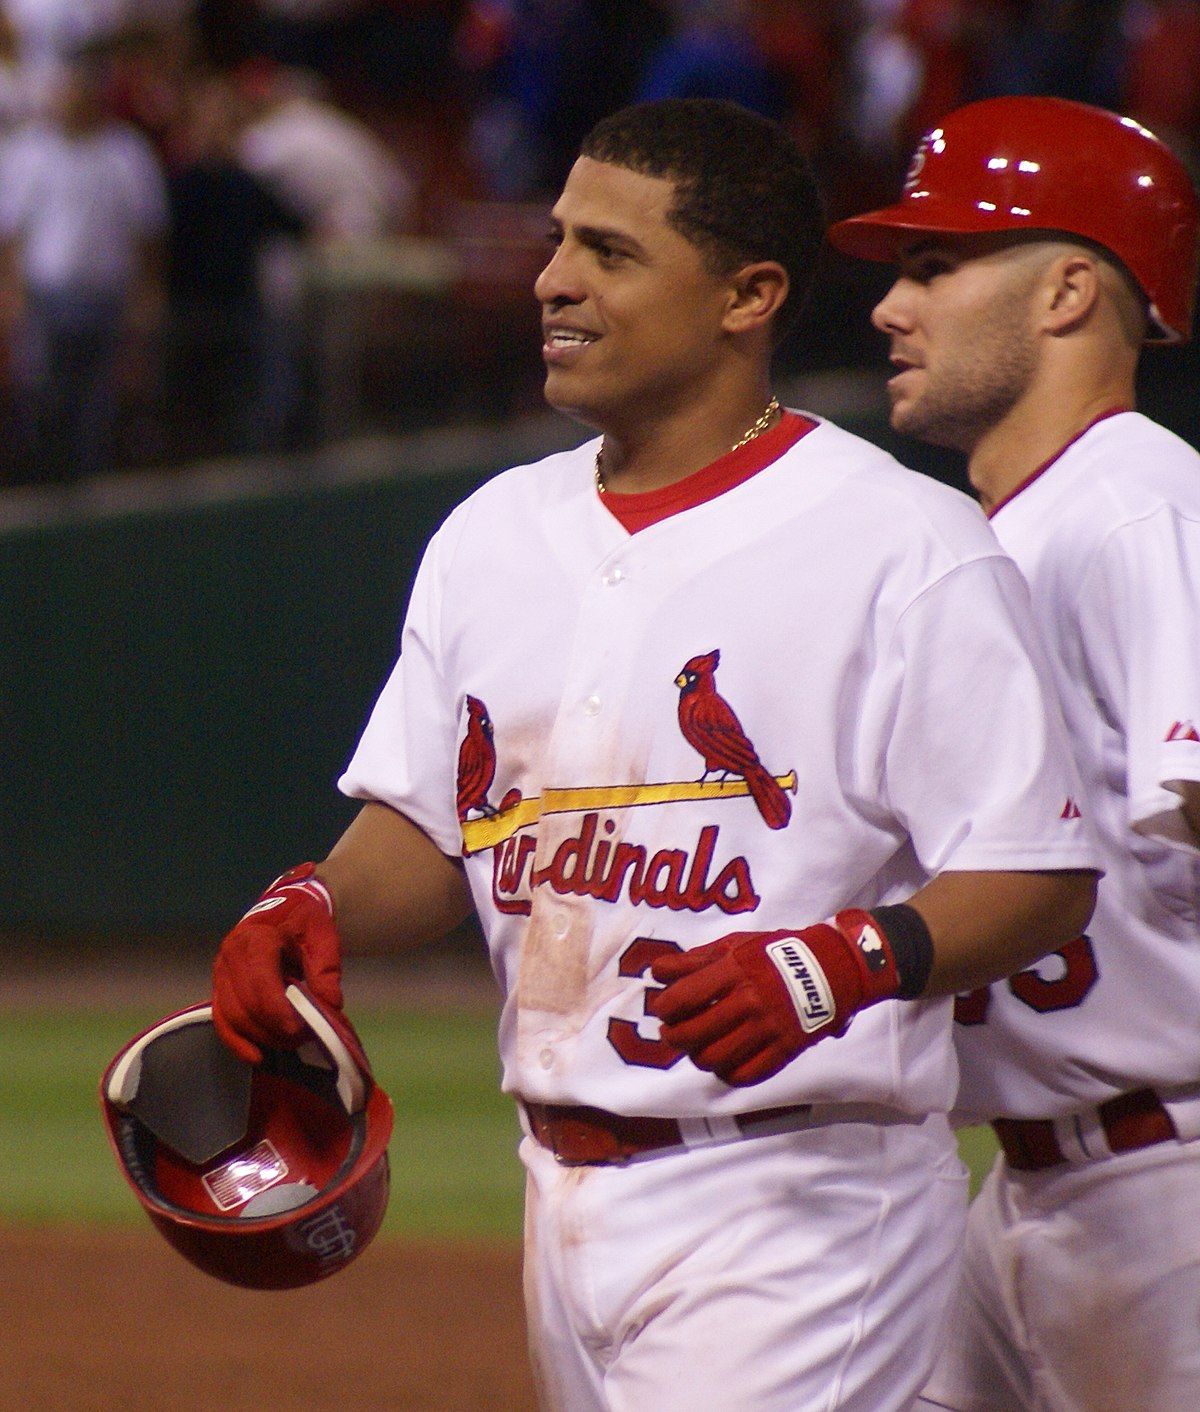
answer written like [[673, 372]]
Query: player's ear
[[756, 295], [1072, 291]]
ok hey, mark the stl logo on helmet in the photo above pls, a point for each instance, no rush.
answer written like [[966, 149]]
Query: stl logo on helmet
[[329, 1236]]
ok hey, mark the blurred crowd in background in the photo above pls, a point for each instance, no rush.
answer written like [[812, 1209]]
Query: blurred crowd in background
[[232, 226]]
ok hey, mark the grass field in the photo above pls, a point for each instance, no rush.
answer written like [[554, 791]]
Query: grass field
[[453, 1155]]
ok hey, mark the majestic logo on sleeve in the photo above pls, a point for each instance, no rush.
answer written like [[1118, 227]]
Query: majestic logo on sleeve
[[592, 861], [1183, 730]]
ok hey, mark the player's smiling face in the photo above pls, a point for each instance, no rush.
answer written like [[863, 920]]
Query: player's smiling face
[[960, 320], [631, 314]]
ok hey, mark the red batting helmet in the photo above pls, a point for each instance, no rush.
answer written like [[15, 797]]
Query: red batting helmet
[[1049, 164], [270, 1175]]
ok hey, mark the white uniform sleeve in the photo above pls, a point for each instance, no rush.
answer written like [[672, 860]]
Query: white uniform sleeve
[[979, 767], [407, 754], [1139, 611]]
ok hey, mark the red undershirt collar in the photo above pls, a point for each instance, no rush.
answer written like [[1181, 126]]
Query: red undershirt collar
[[1045, 466], [639, 511]]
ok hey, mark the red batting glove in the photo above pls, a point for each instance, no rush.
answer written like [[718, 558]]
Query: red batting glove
[[747, 1004], [288, 935]]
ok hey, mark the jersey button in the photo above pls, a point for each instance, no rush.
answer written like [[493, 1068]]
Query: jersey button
[[613, 577], [591, 707], [546, 1058]]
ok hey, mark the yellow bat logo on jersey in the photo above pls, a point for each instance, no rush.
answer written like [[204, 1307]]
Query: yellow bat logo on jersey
[[516, 814]]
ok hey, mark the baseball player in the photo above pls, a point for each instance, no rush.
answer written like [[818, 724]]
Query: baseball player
[[734, 734], [1040, 243]]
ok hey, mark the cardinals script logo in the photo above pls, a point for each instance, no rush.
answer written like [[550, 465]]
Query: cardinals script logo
[[591, 862]]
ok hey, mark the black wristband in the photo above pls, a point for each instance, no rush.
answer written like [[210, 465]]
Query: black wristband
[[912, 947]]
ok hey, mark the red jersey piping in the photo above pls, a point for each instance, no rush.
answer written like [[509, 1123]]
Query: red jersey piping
[[1045, 466], [648, 507]]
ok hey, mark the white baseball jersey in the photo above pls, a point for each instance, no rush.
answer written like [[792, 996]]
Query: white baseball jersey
[[878, 651], [1108, 536]]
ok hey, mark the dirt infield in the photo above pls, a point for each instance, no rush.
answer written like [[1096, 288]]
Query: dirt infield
[[102, 1321]]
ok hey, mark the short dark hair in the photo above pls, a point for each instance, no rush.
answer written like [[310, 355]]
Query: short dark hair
[[744, 190]]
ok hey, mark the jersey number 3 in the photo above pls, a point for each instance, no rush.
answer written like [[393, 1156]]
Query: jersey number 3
[[624, 1035], [1064, 990]]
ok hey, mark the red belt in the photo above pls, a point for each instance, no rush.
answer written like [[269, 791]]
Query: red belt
[[589, 1137], [1129, 1121]]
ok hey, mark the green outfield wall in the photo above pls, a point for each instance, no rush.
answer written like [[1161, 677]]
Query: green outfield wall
[[185, 665]]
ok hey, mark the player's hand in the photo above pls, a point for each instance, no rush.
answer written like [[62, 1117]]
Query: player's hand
[[744, 1006], [288, 935]]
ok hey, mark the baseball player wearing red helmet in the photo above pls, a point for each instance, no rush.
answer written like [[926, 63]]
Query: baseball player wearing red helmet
[[734, 734], [1040, 242]]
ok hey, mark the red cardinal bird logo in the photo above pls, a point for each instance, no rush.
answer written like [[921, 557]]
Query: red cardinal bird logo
[[476, 761], [709, 725]]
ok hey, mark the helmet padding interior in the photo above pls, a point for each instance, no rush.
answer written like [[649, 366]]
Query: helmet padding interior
[[193, 1093]]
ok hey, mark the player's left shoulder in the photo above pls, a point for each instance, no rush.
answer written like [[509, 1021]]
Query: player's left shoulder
[[899, 499], [1140, 466]]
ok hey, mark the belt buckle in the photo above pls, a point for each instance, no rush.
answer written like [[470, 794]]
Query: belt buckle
[[590, 1144]]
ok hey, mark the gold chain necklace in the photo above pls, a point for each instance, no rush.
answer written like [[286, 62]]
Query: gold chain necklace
[[768, 416]]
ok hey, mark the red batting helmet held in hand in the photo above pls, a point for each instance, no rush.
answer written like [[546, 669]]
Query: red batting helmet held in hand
[[1049, 164], [269, 1176]]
